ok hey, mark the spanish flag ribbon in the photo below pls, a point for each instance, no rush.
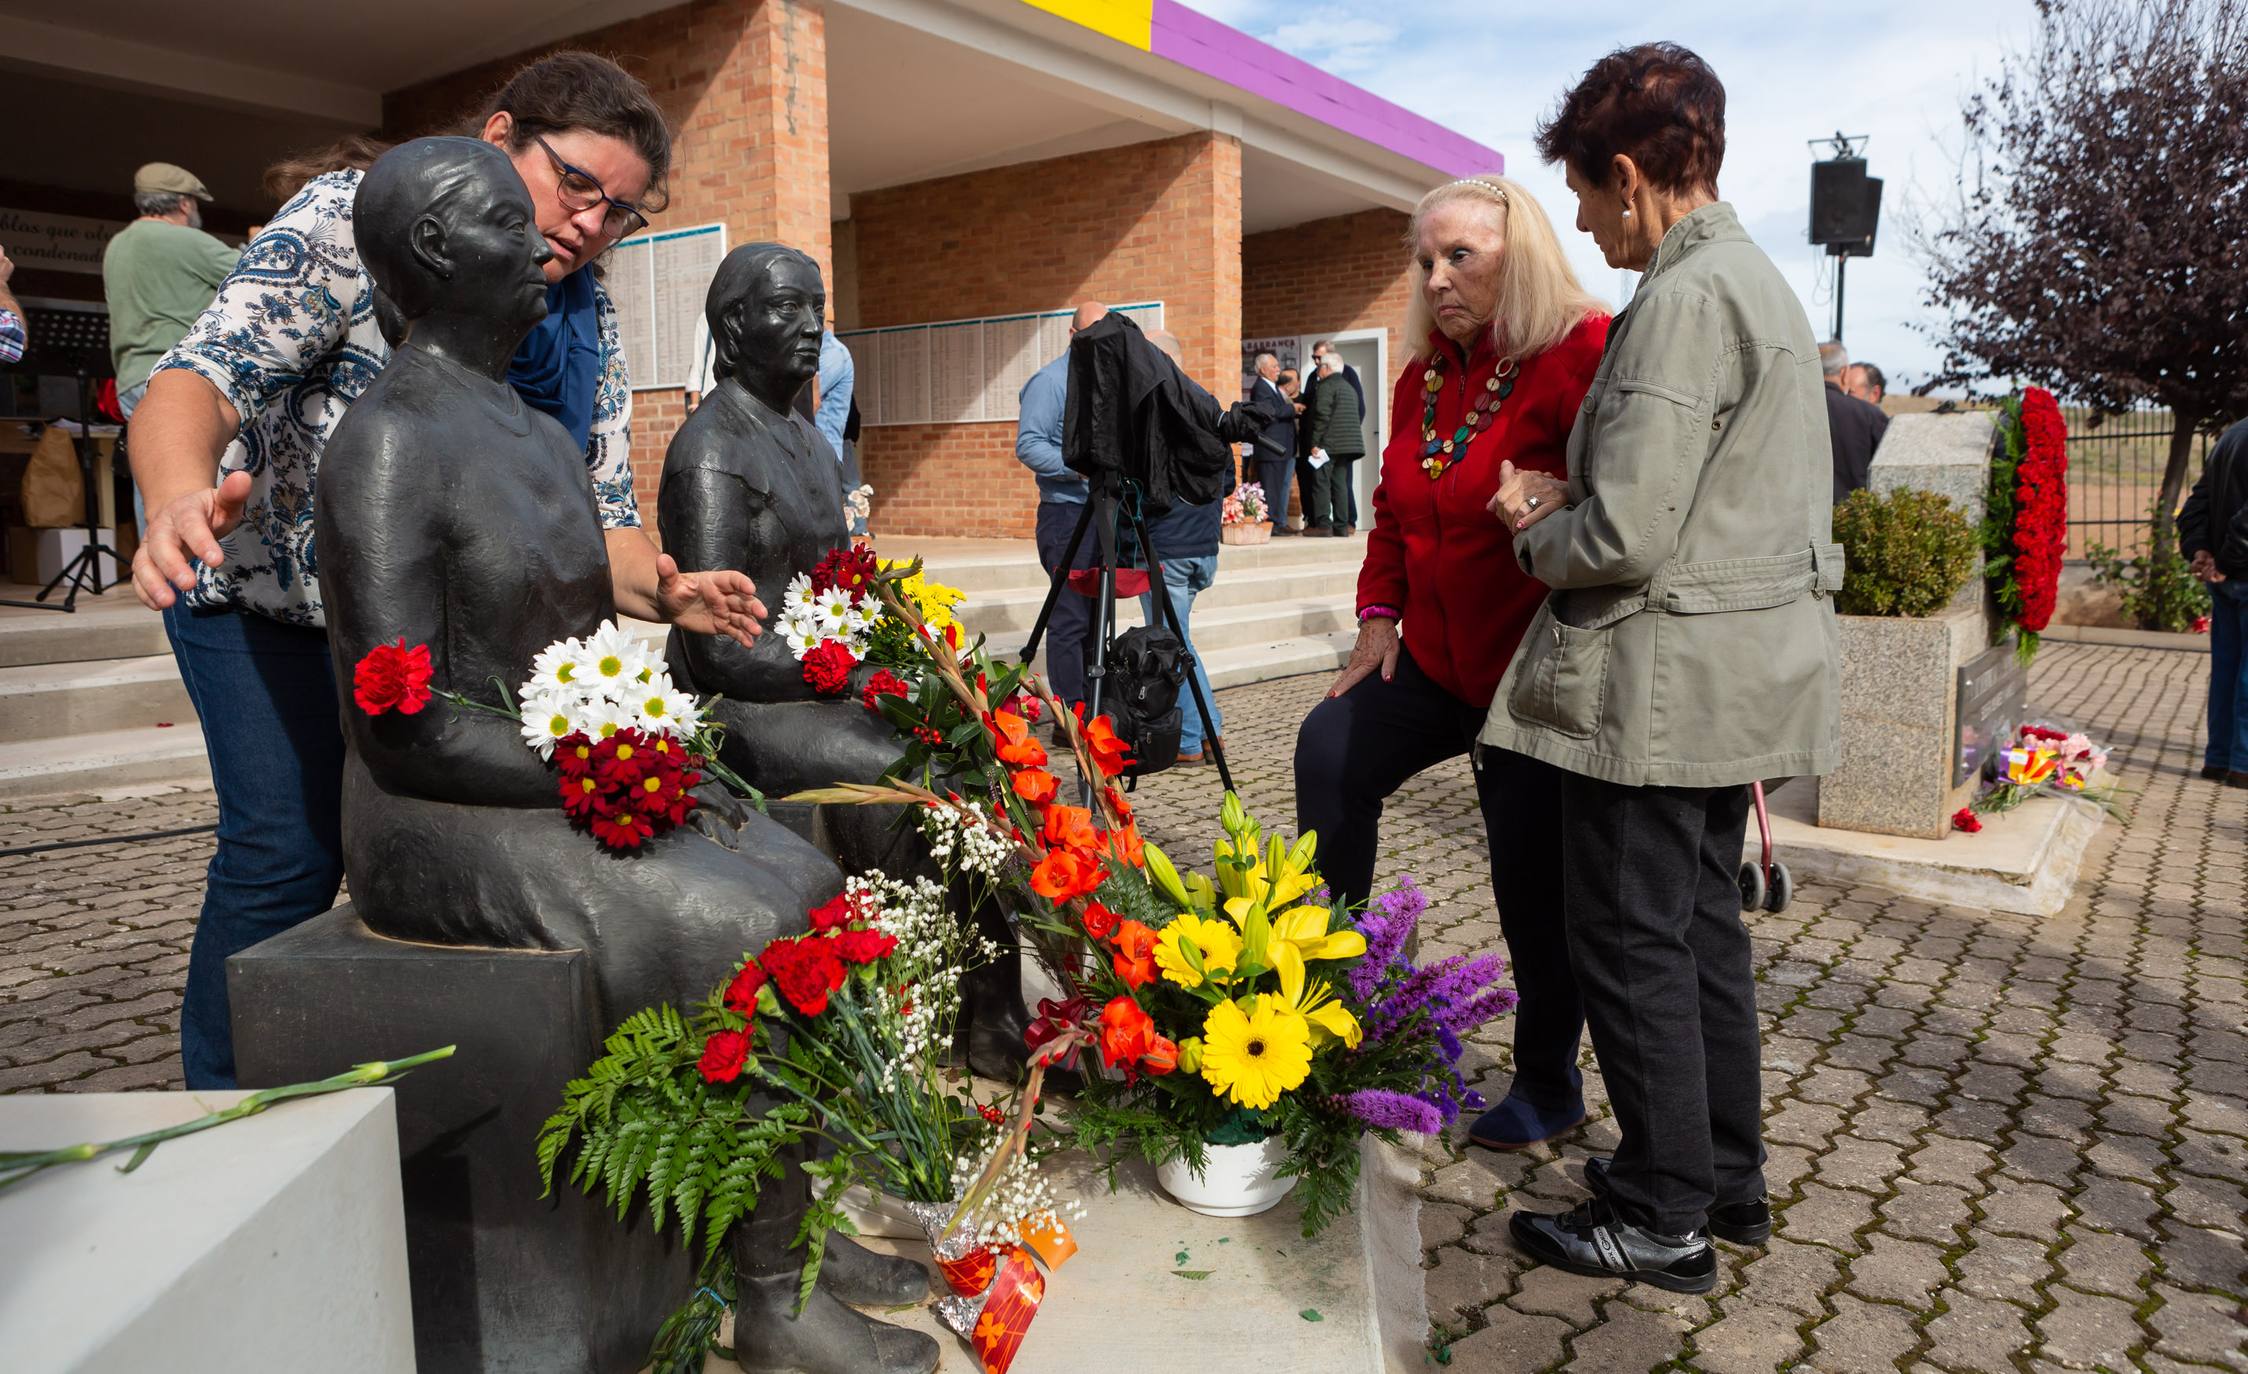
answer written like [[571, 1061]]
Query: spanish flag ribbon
[[1012, 1288]]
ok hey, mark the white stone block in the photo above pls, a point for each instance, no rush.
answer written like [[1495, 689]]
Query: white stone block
[[277, 1242]]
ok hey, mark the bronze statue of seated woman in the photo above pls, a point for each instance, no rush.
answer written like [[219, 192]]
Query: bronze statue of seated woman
[[748, 483], [451, 514]]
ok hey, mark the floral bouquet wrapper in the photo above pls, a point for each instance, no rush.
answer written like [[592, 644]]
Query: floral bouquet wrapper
[[2031, 766], [995, 1292]]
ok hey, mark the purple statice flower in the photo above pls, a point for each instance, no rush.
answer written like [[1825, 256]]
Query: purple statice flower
[[1387, 925], [1395, 1111]]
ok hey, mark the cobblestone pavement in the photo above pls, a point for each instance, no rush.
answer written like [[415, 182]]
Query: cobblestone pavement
[[1998, 1143]]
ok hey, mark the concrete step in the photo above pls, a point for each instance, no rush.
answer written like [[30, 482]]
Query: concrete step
[[53, 700], [95, 631], [103, 760], [996, 613]]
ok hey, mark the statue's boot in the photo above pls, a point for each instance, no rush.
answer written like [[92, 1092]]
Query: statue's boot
[[869, 1278], [771, 1337], [993, 1019]]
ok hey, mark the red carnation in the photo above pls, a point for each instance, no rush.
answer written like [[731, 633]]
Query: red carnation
[[883, 684], [1967, 822], [723, 1055], [741, 993], [392, 677], [833, 914], [828, 667], [805, 969], [864, 946]]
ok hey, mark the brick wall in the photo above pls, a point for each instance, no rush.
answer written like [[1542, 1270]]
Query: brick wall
[[1329, 276], [744, 83], [1152, 221]]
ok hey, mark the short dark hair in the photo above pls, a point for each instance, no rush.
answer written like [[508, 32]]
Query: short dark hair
[[1658, 104], [1873, 375], [582, 90]]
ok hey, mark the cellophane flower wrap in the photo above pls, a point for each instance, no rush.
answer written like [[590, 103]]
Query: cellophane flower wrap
[[1246, 505], [1244, 1004], [2044, 758]]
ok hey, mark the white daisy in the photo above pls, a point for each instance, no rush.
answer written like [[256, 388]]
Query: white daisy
[[619, 666], [547, 720], [802, 633], [667, 713], [559, 666], [600, 718]]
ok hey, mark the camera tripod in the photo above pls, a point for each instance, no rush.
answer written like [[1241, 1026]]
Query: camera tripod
[[1104, 515]]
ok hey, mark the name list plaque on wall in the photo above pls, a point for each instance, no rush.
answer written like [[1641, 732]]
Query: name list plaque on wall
[[961, 371], [658, 282]]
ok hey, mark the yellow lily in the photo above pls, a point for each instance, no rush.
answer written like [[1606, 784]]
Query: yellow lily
[[1193, 949], [1317, 1004]]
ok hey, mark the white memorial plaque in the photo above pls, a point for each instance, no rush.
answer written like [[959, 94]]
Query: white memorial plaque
[[956, 373]]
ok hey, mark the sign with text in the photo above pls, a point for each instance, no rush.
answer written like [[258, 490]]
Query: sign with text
[[657, 282], [57, 243]]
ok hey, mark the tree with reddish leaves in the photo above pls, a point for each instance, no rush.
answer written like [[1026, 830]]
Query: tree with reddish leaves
[[2096, 242]]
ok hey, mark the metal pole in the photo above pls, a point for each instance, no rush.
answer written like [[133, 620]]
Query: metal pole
[[1841, 261]]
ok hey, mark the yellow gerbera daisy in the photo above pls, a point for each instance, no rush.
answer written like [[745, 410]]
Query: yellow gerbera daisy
[[1192, 948], [1252, 1055]]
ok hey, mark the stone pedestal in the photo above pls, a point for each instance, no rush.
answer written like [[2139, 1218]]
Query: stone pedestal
[[501, 1278], [273, 1242], [1900, 698]]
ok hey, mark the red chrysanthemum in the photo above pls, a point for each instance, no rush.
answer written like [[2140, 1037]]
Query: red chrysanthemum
[[828, 667], [392, 677], [573, 755], [883, 684], [723, 1056], [621, 829], [853, 570]]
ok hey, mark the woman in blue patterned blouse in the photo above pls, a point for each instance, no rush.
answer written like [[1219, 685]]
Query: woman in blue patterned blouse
[[226, 448]]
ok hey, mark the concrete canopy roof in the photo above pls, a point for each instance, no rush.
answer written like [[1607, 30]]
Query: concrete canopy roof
[[917, 89]]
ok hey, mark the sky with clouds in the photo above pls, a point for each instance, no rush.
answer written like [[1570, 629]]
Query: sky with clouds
[[1793, 72]]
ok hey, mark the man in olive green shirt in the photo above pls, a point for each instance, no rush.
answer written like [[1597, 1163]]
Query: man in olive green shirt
[[159, 273]]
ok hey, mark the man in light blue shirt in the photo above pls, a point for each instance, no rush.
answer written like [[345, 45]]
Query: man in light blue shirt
[[835, 390], [1061, 500]]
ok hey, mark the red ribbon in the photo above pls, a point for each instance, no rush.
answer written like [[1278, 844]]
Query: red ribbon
[[1016, 1288]]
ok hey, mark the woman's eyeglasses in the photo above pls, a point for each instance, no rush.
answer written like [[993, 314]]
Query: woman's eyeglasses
[[580, 190]]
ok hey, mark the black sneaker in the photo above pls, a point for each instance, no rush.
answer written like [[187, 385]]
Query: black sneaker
[[1737, 1223], [2214, 772], [1594, 1241]]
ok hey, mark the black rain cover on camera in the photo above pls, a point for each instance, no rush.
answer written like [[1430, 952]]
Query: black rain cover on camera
[[1146, 667], [1132, 413]]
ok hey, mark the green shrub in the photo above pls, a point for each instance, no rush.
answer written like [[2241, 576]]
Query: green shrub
[[2159, 589], [1909, 552]]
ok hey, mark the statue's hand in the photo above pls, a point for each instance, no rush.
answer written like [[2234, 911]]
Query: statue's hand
[[723, 602], [719, 815]]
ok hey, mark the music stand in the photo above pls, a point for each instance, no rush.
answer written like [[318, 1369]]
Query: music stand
[[58, 340]]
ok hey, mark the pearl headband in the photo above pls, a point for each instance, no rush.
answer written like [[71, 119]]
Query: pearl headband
[[1493, 187]]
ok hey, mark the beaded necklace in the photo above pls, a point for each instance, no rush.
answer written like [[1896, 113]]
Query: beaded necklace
[[1439, 455]]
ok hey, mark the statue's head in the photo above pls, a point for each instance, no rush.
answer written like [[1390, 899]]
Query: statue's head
[[767, 309], [445, 226]]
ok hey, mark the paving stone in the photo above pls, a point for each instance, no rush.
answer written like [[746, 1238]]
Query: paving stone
[[1443, 1223], [1863, 1338], [1925, 1211], [1513, 1343], [2086, 1332], [1463, 1283], [1629, 1341], [2003, 1266], [1747, 1340], [1559, 1293], [2025, 1209], [1867, 1165], [2196, 1258], [2199, 1326], [1792, 1276], [2105, 1262], [1829, 1216], [1904, 1272], [1977, 1334]]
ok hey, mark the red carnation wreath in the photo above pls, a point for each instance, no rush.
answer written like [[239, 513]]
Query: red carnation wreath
[[2026, 533]]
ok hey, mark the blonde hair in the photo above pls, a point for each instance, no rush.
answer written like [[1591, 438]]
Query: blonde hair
[[1540, 299]]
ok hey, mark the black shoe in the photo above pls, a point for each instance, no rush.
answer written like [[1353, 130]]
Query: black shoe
[[2238, 777], [1594, 1241], [1736, 1223], [2214, 772], [869, 1278], [1280, 531]]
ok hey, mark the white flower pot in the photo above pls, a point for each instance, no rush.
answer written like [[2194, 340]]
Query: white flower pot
[[1236, 1180]]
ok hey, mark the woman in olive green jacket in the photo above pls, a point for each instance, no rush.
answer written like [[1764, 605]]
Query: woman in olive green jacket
[[1688, 650]]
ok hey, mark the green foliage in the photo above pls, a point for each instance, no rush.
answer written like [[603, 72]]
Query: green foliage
[[649, 1127], [1908, 552], [2159, 589]]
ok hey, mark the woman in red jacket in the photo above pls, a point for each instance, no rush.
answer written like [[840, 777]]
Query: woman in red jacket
[[1507, 341]]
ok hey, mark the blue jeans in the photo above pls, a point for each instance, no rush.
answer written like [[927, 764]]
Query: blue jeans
[[1069, 631], [2228, 675], [267, 699], [1182, 578]]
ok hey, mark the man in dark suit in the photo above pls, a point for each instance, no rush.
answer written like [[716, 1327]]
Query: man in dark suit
[[1854, 427], [1275, 444], [1310, 398]]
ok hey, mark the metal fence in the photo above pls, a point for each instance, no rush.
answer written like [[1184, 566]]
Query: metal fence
[[2115, 476]]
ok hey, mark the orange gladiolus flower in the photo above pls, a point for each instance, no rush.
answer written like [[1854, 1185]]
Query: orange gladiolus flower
[[1064, 875], [1070, 827], [1134, 958], [1011, 734], [1118, 803], [1125, 845], [1107, 750], [1035, 785]]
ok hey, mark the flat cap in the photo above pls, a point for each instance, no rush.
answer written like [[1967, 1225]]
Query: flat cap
[[164, 176]]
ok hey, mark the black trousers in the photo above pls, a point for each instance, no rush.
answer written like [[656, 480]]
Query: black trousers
[[1273, 474], [1069, 633], [1354, 750], [1662, 960]]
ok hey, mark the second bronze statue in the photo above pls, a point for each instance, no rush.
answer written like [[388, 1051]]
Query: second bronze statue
[[748, 483]]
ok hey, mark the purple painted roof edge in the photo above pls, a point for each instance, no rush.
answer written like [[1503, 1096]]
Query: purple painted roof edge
[[1202, 44]]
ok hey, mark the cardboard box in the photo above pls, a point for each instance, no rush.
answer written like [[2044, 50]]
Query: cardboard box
[[36, 556]]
